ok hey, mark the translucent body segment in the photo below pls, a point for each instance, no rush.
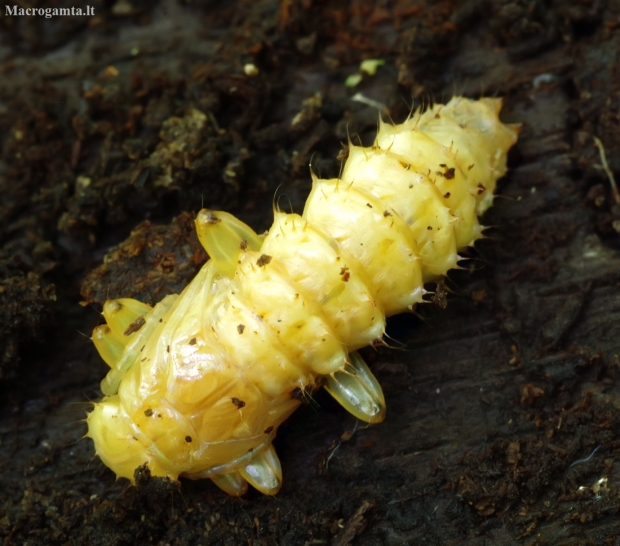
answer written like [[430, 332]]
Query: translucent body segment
[[473, 131], [209, 461], [293, 315], [224, 236], [107, 344], [226, 421], [232, 483], [186, 388], [122, 315], [357, 390], [218, 401], [227, 410], [264, 472], [234, 415], [417, 200], [164, 431], [478, 121], [199, 375], [172, 330], [316, 263], [468, 145], [419, 152], [424, 155], [259, 355], [159, 437], [113, 434], [382, 245], [111, 382]]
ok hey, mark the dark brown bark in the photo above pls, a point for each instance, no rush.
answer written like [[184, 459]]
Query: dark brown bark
[[503, 409]]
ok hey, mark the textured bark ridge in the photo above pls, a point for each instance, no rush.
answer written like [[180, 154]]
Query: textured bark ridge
[[199, 383]]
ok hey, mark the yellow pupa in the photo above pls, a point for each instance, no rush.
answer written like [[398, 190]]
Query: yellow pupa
[[199, 384]]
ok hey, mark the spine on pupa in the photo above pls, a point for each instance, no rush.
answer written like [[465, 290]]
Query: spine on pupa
[[199, 383]]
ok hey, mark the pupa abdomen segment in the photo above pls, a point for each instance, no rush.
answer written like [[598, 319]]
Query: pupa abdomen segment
[[200, 382]]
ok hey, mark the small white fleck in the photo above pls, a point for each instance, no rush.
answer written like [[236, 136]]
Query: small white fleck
[[251, 70], [360, 97], [544, 78]]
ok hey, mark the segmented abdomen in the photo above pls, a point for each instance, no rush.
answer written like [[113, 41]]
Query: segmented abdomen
[[200, 383]]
